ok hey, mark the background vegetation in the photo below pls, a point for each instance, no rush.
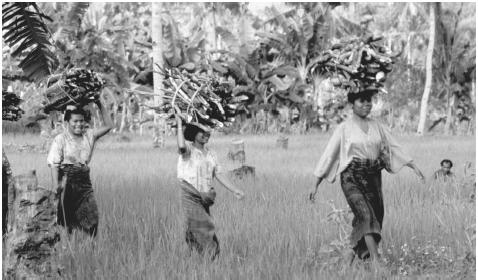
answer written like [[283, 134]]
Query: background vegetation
[[262, 50]]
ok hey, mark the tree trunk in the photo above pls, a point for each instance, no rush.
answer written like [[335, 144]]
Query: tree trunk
[[129, 116], [428, 80], [449, 114], [157, 34], [123, 115], [390, 116], [115, 116], [141, 108], [473, 92], [214, 23], [409, 57], [33, 231], [157, 53]]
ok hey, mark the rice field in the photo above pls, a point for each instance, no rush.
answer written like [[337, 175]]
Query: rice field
[[275, 232]]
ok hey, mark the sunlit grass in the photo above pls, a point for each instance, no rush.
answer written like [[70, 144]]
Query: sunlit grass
[[275, 233]]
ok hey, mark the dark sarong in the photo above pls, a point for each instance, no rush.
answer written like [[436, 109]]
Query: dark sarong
[[200, 230], [362, 186], [79, 204]]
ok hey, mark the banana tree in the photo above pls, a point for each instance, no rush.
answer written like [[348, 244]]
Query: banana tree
[[110, 39], [179, 51], [301, 34], [456, 54]]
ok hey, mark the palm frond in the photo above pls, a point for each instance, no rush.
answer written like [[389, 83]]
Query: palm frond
[[27, 35]]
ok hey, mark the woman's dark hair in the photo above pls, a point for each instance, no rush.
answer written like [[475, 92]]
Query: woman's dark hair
[[364, 94], [77, 111], [446, 161], [191, 131]]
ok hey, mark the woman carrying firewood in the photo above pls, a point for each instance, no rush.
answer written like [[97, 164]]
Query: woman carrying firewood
[[358, 150], [197, 166], [69, 156]]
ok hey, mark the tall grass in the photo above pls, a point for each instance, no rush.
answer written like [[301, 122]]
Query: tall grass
[[275, 233]]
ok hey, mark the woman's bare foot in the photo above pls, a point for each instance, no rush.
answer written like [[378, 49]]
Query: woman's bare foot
[[349, 257], [378, 264]]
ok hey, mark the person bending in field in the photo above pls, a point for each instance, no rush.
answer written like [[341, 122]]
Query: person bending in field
[[197, 166], [358, 150], [69, 156], [444, 174]]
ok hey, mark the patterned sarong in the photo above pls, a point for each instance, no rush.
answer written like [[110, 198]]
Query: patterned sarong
[[200, 230], [362, 185], [79, 204]]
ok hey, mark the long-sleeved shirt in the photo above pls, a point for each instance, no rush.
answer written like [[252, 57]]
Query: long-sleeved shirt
[[349, 141], [67, 149]]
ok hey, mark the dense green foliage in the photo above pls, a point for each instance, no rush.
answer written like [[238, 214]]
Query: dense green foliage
[[266, 54]]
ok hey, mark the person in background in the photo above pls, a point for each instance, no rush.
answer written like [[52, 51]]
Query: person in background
[[197, 166], [444, 173], [69, 156], [358, 150]]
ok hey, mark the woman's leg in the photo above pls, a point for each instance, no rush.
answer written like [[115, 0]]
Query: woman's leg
[[350, 257], [362, 198], [193, 244], [216, 250], [372, 246]]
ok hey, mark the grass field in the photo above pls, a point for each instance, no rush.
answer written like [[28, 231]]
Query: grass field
[[274, 233]]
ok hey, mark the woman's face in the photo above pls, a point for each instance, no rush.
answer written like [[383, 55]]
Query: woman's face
[[202, 137], [362, 106], [76, 124]]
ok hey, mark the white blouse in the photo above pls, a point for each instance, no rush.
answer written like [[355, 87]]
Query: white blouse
[[197, 167], [67, 149], [349, 141]]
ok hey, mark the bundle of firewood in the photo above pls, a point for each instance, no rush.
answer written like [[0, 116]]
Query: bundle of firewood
[[200, 98], [356, 64], [11, 110], [75, 87]]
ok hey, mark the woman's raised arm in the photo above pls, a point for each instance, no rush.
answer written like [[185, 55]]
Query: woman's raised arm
[[106, 118], [180, 135]]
